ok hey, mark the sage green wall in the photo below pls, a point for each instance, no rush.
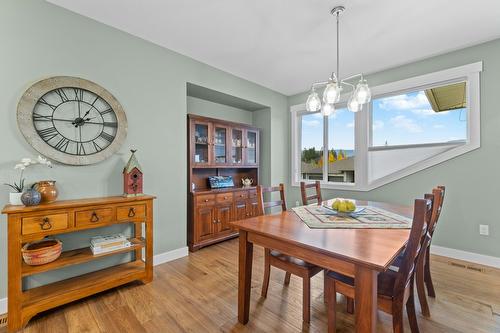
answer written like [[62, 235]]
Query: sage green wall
[[41, 40], [206, 108], [472, 180]]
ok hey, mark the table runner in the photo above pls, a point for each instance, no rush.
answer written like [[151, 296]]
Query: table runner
[[319, 217]]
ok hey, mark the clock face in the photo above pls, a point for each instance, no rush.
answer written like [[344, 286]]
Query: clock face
[[75, 121], [72, 120]]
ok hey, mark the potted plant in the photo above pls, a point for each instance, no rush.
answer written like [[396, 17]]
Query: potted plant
[[15, 197]]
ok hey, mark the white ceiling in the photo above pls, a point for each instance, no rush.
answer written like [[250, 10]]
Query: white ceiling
[[287, 44]]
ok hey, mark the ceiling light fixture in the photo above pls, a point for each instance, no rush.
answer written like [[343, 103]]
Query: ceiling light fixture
[[333, 87]]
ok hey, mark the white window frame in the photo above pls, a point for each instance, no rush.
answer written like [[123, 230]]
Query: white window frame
[[469, 73]]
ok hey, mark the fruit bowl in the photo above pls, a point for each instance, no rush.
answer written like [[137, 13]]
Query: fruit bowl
[[343, 207]]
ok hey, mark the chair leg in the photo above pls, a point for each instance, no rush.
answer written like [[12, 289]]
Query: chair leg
[[410, 310], [267, 273], [306, 299], [427, 275], [419, 276], [325, 288], [287, 278], [397, 318], [332, 304], [350, 305]]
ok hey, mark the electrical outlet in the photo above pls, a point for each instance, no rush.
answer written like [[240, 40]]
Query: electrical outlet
[[484, 229], [297, 203]]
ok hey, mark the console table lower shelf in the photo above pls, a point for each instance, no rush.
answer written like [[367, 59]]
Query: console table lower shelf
[[71, 216]]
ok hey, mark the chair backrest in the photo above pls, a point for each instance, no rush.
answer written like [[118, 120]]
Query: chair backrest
[[437, 208], [260, 198], [421, 219], [317, 195]]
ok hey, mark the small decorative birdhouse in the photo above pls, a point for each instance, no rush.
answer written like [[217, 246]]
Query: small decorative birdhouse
[[132, 177]]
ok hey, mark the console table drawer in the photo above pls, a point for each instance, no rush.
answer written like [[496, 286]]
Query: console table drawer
[[131, 213], [44, 223], [94, 216]]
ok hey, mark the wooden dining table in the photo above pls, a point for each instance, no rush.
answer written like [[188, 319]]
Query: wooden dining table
[[359, 253]]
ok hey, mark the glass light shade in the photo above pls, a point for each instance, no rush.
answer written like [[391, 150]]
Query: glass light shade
[[331, 94], [327, 109], [313, 103], [362, 92], [353, 105]]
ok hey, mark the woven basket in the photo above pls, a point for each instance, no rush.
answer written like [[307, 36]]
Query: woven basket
[[41, 252]]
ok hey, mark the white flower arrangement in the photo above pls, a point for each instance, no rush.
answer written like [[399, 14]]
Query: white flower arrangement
[[24, 163]]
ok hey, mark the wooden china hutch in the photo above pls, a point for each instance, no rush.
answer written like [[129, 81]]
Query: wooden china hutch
[[219, 148]]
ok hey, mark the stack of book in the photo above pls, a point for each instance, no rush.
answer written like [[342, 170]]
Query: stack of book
[[104, 244]]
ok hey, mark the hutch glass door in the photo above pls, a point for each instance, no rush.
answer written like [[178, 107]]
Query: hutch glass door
[[220, 144], [237, 146], [251, 147], [201, 143]]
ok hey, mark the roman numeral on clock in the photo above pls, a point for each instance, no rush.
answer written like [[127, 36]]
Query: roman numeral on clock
[[62, 95], [39, 117], [110, 124], [96, 147], [44, 102], [62, 145], [106, 136], [80, 149], [48, 133], [78, 94], [106, 111]]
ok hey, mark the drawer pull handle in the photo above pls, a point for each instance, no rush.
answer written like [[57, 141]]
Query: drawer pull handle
[[94, 217], [131, 212], [225, 198], [206, 200], [45, 225]]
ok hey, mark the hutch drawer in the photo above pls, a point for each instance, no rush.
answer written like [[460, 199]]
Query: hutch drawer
[[93, 216], [241, 195], [130, 212], [205, 200], [224, 198], [44, 223]]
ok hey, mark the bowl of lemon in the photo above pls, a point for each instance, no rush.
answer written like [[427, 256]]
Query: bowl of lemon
[[345, 207]]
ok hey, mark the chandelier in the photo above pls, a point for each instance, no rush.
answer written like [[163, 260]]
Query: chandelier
[[360, 94]]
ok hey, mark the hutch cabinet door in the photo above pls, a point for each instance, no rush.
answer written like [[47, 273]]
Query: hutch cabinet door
[[200, 143], [240, 210], [237, 144], [224, 218], [252, 208], [251, 147], [220, 144], [205, 220]]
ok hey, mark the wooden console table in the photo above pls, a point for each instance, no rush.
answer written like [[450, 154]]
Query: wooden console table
[[26, 224]]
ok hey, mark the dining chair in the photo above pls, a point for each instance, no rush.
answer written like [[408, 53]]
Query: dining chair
[[287, 263], [316, 196], [395, 287], [423, 273]]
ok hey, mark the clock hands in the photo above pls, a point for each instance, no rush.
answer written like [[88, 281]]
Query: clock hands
[[78, 122]]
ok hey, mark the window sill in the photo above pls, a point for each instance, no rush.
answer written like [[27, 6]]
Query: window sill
[[335, 186]]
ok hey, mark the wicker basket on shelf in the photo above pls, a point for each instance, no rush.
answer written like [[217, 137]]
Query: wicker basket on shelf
[[41, 252]]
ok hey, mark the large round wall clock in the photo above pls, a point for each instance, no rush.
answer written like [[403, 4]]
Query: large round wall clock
[[72, 120]]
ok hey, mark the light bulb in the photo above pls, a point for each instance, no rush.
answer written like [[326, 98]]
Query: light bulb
[[362, 92], [353, 105], [331, 94], [313, 103], [327, 109]]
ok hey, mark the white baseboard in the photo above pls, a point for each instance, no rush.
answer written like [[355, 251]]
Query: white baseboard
[[170, 255], [3, 305], [466, 256], [157, 260]]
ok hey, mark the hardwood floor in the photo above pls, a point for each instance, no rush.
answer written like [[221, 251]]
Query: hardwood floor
[[199, 294]]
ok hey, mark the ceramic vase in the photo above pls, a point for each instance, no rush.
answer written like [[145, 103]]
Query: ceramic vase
[[15, 198], [31, 197], [48, 190]]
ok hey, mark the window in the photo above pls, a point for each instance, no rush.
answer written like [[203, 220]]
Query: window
[[341, 147], [408, 126], [311, 167], [426, 116], [337, 165]]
